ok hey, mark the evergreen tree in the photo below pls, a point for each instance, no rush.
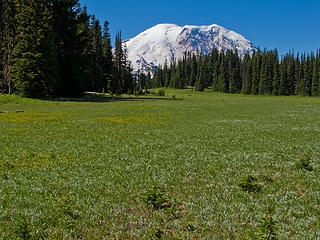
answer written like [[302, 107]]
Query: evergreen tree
[[300, 76], [158, 78], [96, 74], [257, 61], [235, 83], [276, 76], [206, 72], [291, 76], [173, 73], [7, 41], [283, 85], [199, 84], [297, 73], [315, 78], [166, 75], [193, 74], [118, 61], [123, 69], [1, 46], [307, 77], [248, 81], [222, 81], [85, 41], [187, 69], [148, 83], [244, 64], [107, 74], [34, 64], [270, 68], [263, 74], [142, 82], [215, 77], [128, 79], [69, 47]]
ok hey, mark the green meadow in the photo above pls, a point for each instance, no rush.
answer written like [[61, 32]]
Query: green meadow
[[194, 166]]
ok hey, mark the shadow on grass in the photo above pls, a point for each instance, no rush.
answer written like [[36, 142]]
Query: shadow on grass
[[96, 97]]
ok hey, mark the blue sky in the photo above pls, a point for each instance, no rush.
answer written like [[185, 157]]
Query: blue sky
[[281, 24]]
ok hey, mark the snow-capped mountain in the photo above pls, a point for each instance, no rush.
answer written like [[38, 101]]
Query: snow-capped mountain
[[170, 41]]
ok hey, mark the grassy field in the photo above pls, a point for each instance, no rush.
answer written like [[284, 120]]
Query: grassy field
[[210, 166]]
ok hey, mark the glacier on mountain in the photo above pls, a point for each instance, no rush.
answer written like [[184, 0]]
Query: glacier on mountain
[[166, 42]]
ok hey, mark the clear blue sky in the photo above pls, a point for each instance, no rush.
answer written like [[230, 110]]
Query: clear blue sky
[[281, 24]]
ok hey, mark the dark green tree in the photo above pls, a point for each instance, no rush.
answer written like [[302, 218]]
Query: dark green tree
[[72, 53], [300, 77], [193, 74], [276, 76], [107, 69], [215, 77], [257, 61], [157, 80], [236, 82], [34, 63], [307, 77], [266, 73], [123, 69], [166, 74], [248, 81], [222, 81], [7, 41], [291, 75], [200, 83], [96, 73], [315, 77], [283, 85], [84, 30], [173, 73]]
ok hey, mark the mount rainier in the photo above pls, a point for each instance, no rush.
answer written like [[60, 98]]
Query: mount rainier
[[166, 42]]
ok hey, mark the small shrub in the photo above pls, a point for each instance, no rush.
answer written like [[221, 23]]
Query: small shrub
[[161, 92], [268, 227], [267, 179], [304, 162], [250, 184], [156, 198], [157, 233], [23, 229], [8, 165], [189, 226], [172, 210]]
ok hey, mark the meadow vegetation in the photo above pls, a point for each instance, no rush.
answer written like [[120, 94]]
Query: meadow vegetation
[[199, 165]]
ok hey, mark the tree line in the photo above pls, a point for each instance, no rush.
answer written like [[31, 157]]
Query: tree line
[[263, 72], [55, 48]]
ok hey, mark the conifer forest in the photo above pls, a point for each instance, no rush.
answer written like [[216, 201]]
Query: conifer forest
[[217, 145], [260, 73], [54, 48]]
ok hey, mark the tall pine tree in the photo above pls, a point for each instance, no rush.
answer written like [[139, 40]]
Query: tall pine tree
[[316, 77], [7, 41], [34, 65], [107, 58]]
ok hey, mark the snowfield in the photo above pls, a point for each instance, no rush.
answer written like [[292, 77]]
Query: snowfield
[[166, 42]]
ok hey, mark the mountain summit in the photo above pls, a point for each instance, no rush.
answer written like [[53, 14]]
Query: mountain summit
[[166, 42]]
